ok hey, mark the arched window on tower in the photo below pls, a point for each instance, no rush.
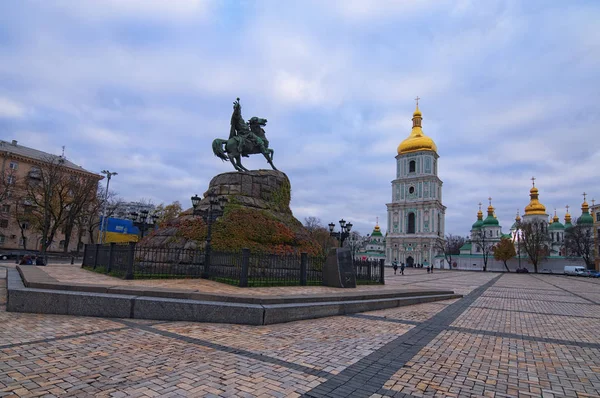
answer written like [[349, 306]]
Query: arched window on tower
[[412, 166], [411, 223]]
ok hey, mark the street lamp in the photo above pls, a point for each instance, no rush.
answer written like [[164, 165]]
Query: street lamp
[[344, 232], [143, 220], [215, 209], [519, 238], [102, 234]]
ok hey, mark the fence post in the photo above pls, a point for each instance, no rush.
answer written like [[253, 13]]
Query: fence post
[[111, 257], [130, 260], [303, 268], [245, 266], [96, 249], [85, 248], [382, 271]]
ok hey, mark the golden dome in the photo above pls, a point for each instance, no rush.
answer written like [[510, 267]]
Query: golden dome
[[555, 219], [518, 218], [534, 207], [417, 140]]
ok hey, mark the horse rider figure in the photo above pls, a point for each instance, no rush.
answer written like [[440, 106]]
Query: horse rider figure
[[244, 132]]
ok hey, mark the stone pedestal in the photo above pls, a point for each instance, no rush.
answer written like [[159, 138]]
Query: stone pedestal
[[339, 270]]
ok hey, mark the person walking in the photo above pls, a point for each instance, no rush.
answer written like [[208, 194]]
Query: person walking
[[402, 269], [395, 266]]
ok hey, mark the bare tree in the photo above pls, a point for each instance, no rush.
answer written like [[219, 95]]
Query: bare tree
[[484, 244], [8, 182], [312, 223], [450, 247], [535, 240], [168, 213], [90, 216], [81, 195], [354, 242], [579, 241]]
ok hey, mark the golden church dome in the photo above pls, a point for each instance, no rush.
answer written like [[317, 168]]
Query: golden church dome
[[535, 207], [417, 140]]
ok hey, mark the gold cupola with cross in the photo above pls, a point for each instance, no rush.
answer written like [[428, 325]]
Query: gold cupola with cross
[[417, 140], [534, 207]]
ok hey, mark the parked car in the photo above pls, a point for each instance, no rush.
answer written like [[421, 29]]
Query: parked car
[[14, 254], [585, 272], [574, 270], [546, 271], [595, 274], [522, 271]]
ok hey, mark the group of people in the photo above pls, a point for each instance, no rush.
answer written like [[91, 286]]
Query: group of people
[[395, 266], [32, 260]]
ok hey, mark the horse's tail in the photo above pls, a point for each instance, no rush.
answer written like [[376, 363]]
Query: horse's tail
[[217, 147]]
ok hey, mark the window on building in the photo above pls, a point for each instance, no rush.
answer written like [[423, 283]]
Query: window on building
[[11, 179], [23, 242], [411, 190], [13, 165], [61, 244], [3, 223], [2, 239], [412, 166], [411, 223], [598, 216], [5, 208], [25, 225]]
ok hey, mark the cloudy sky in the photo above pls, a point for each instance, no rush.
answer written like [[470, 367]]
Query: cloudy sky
[[510, 90]]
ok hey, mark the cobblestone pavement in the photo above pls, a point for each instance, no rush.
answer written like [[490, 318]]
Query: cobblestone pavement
[[511, 335]]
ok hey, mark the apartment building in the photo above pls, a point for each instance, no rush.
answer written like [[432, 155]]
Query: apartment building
[[21, 165]]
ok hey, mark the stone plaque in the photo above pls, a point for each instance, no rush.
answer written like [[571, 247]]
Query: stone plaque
[[339, 270]]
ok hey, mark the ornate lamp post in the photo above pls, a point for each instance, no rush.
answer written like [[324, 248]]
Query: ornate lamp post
[[102, 233], [519, 238], [143, 220], [344, 232], [214, 211]]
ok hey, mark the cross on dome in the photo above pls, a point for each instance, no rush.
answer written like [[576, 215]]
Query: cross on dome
[[417, 99], [377, 222], [480, 206], [567, 206], [533, 181], [584, 195], [490, 199]]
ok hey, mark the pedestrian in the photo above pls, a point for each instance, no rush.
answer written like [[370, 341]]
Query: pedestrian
[[402, 268], [428, 269], [395, 266], [26, 260], [432, 268], [39, 260]]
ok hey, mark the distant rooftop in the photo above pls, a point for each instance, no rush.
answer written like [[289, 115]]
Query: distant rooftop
[[14, 148]]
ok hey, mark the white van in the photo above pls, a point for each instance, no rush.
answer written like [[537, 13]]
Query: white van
[[574, 269]]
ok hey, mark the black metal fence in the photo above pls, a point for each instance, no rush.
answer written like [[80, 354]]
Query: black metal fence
[[241, 268], [368, 271]]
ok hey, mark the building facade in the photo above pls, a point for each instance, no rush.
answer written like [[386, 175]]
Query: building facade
[[373, 247], [595, 210], [20, 167], [416, 214]]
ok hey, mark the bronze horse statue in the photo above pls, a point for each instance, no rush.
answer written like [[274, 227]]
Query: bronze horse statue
[[244, 139]]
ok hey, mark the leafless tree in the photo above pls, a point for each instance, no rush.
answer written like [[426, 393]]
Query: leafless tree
[[535, 240], [354, 242], [90, 216], [450, 247], [8, 182], [484, 244], [81, 196], [313, 223], [579, 241]]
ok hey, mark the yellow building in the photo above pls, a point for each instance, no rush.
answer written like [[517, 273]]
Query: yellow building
[[20, 166]]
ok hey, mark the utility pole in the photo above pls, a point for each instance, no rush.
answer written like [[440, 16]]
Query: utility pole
[[101, 233]]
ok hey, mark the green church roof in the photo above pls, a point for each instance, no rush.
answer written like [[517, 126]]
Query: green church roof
[[556, 225], [477, 224], [586, 219], [466, 246], [491, 221]]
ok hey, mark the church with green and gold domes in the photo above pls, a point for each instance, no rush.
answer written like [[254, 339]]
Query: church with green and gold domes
[[471, 253]]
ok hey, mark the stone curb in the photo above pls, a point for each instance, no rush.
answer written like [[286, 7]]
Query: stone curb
[[111, 305], [38, 279]]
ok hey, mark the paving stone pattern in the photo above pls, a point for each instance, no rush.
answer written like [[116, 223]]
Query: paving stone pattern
[[511, 335]]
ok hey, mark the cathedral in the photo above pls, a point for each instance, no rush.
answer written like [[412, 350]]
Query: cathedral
[[416, 213], [535, 211]]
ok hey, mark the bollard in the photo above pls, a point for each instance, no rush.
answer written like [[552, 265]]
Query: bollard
[[97, 248], [382, 271], [245, 267], [303, 268]]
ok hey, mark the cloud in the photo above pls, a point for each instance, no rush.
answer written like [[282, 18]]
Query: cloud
[[10, 109]]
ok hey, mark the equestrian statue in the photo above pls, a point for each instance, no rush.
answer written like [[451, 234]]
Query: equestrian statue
[[244, 139]]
